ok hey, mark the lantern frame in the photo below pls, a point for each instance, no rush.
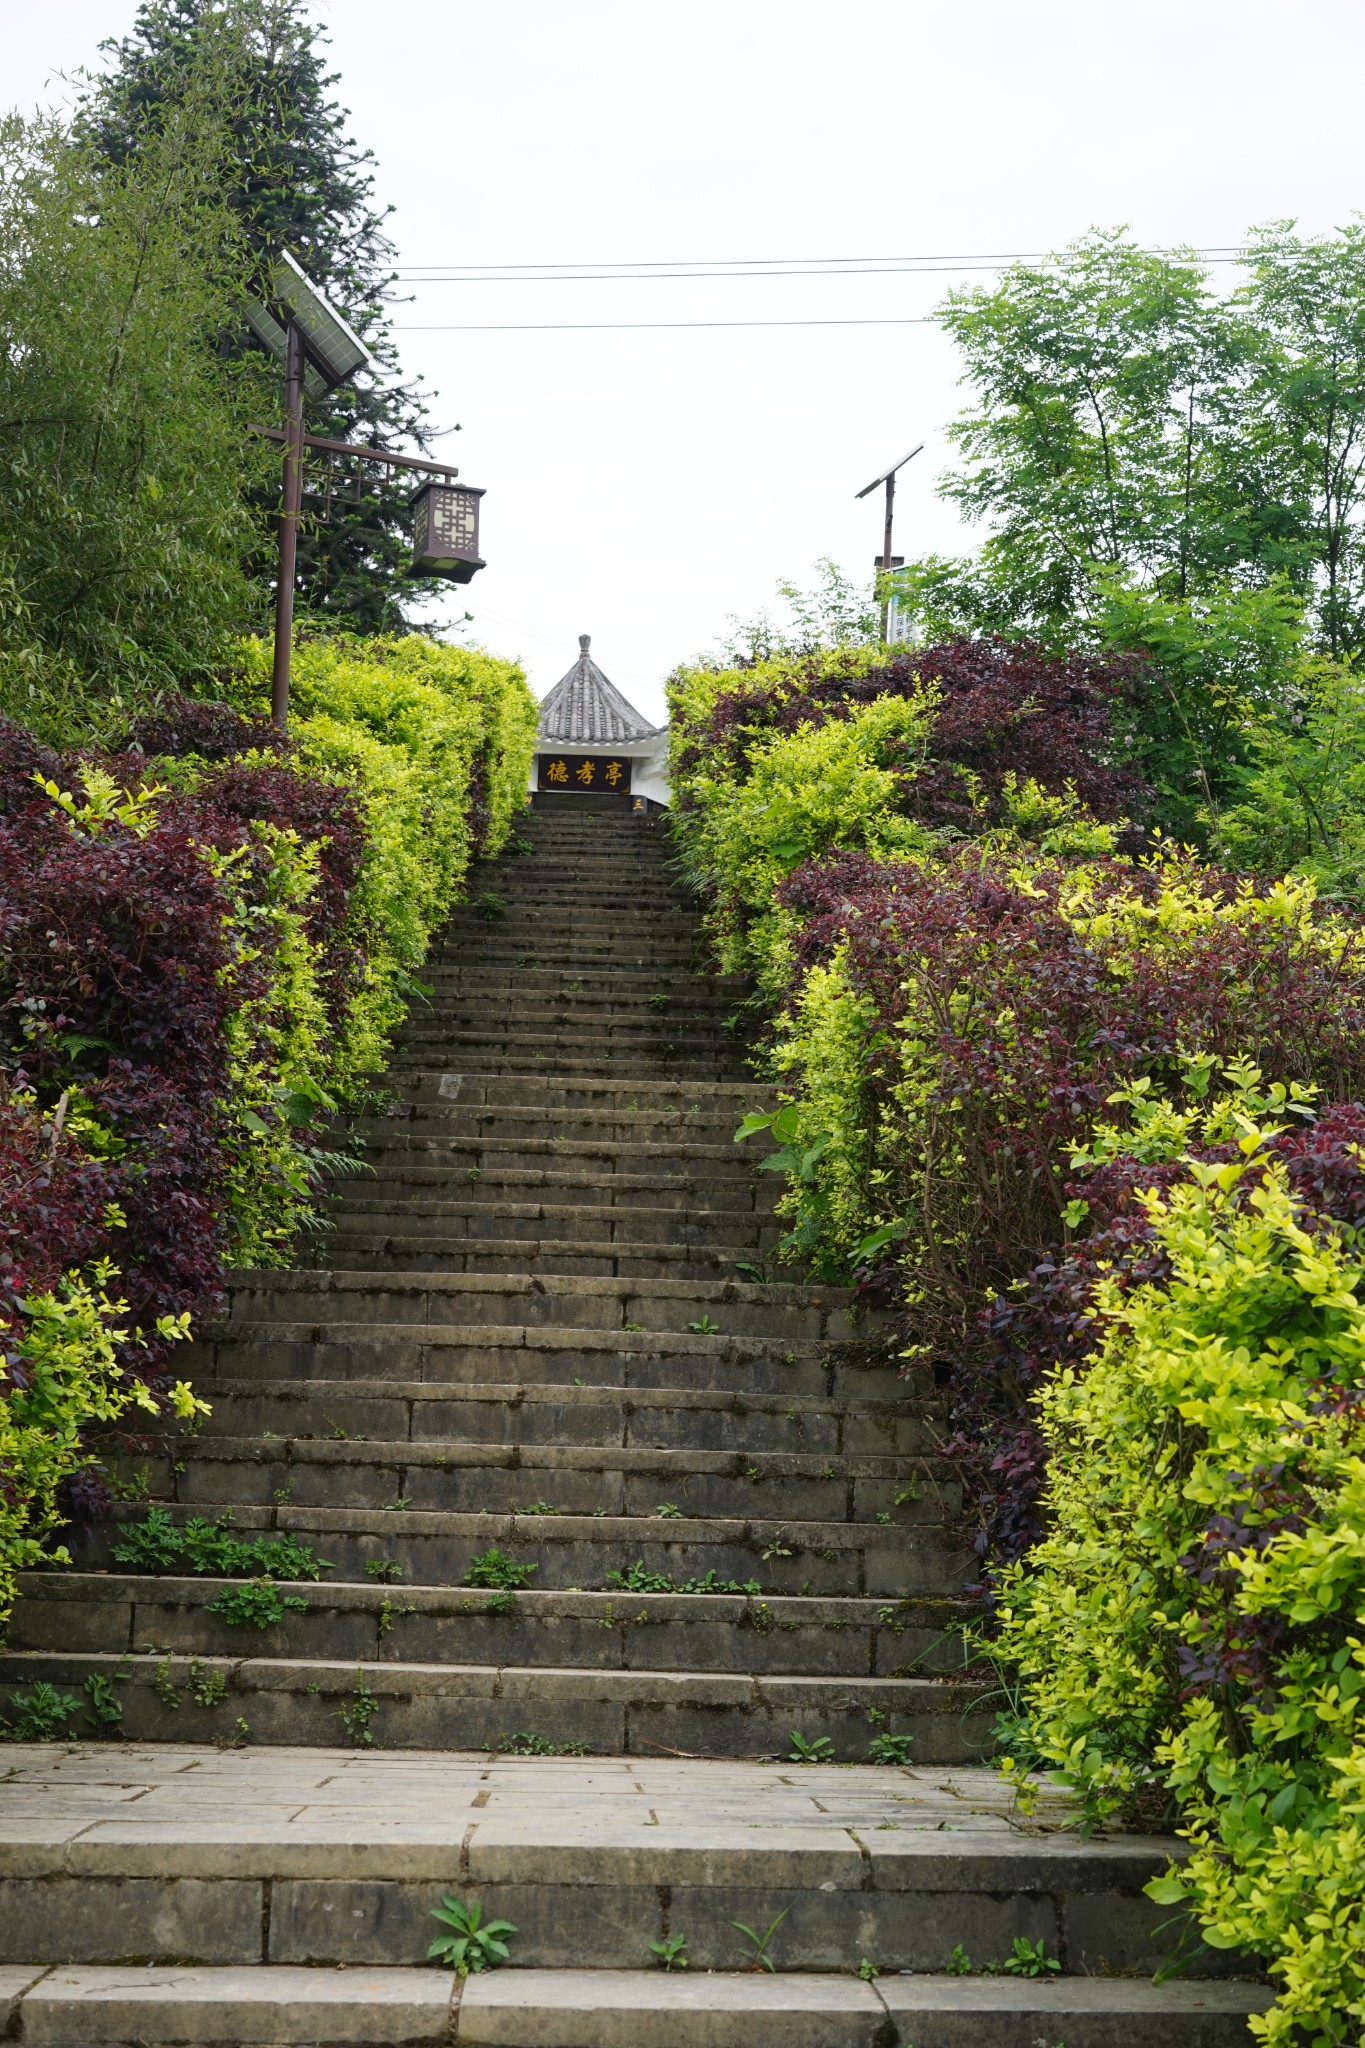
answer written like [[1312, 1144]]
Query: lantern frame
[[435, 554]]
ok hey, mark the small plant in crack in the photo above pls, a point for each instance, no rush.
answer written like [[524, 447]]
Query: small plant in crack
[[671, 1953], [383, 1568], [669, 1511], [471, 1944], [494, 1568], [959, 1963], [704, 1327], [489, 906], [889, 1749], [41, 1715], [1029, 1959], [759, 1958], [867, 1970], [523, 1743], [106, 1708], [256, 1604], [820, 1750], [357, 1714]]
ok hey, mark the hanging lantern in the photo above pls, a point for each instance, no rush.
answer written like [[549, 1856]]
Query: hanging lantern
[[445, 531]]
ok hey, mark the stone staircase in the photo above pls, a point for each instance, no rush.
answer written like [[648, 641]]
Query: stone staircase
[[587, 1490]]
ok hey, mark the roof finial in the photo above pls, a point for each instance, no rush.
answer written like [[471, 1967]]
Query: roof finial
[[584, 643]]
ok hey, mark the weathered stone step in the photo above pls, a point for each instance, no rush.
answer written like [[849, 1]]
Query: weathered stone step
[[646, 2009], [322, 1857], [417, 1624], [722, 1099], [607, 1124], [525, 1355], [853, 1560], [289, 1701], [285, 2006], [588, 952], [494, 1059], [732, 1308], [390, 1143], [268, 2006], [355, 1243], [417, 1178], [658, 1418], [474, 1478], [556, 1034], [736, 1233]]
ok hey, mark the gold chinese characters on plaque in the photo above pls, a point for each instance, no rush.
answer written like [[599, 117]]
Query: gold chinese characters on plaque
[[584, 772]]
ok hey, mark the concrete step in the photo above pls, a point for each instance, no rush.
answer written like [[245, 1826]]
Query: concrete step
[[473, 1478], [576, 1553], [729, 1308], [287, 1701], [658, 1418], [611, 1630], [523, 1356], [323, 1857]]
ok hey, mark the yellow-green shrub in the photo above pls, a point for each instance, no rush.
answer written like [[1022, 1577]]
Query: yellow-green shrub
[[1196, 1609]]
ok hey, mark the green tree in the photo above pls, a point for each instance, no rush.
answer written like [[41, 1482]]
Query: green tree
[[1220, 668], [1305, 432], [299, 182], [1105, 383], [125, 465], [833, 612]]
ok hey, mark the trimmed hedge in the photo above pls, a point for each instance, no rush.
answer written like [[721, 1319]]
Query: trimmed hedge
[[208, 940]]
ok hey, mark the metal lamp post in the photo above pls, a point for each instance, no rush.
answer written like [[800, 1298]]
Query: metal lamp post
[[888, 477], [318, 351]]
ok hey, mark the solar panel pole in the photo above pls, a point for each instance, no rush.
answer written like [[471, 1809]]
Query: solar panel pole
[[886, 551], [291, 503], [888, 477]]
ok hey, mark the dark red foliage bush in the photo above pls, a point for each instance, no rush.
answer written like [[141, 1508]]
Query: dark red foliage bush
[[1033, 1033], [1005, 710], [116, 1134], [215, 732]]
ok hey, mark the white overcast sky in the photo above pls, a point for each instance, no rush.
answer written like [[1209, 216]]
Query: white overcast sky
[[642, 485]]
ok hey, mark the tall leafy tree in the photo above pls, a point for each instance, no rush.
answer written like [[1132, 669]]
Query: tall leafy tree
[[126, 467], [1305, 302], [300, 182], [1127, 420]]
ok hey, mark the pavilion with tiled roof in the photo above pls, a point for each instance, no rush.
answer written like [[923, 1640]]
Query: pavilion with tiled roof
[[593, 741]]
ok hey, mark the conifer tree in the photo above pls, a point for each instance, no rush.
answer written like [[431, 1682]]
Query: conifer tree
[[304, 184]]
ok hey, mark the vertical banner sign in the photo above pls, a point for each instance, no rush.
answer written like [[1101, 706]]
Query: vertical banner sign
[[609, 772]]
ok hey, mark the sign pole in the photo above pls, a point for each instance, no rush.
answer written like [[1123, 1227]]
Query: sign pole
[[886, 553], [290, 505]]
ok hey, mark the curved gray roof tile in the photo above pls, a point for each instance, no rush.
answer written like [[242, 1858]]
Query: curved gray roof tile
[[585, 710]]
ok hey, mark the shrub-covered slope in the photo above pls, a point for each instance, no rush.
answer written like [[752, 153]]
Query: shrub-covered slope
[[206, 941], [1081, 1110]]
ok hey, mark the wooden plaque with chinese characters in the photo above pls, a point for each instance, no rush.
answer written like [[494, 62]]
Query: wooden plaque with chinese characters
[[585, 773]]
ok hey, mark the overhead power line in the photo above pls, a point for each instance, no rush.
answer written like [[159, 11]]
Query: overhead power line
[[621, 326], [662, 268]]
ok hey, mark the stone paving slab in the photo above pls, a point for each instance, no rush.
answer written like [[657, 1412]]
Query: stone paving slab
[[634, 2009], [273, 2006]]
